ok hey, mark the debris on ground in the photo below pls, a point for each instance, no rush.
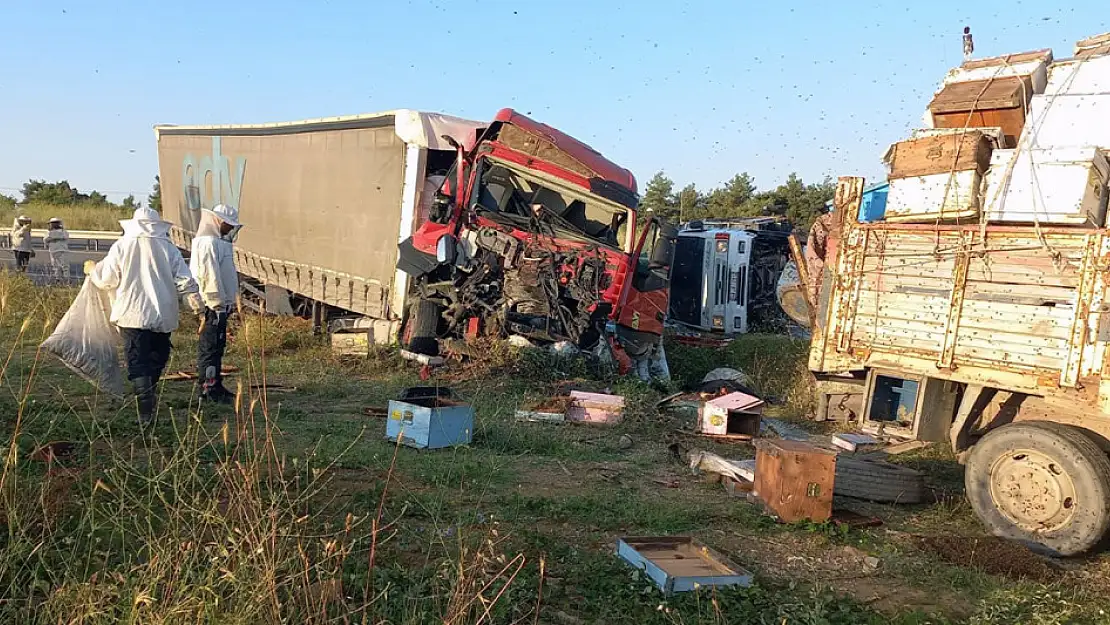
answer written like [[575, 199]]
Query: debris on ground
[[681, 564], [735, 415], [595, 407], [990, 554], [843, 517], [723, 380], [785, 430], [423, 359], [548, 410], [377, 412], [878, 481], [184, 376], [709, 462], [428, 417], [795, 479], [853, 442], [625, 442]]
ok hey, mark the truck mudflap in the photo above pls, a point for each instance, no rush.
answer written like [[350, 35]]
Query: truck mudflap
[[412, 261]]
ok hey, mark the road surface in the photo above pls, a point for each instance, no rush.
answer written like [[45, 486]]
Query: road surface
[[80, 250]]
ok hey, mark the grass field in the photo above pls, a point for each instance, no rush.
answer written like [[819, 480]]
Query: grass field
[[75, 216], [292, 508]]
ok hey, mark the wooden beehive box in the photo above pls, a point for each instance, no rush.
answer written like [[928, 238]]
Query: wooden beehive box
[[795, 479], [992, 103], [939, 154]]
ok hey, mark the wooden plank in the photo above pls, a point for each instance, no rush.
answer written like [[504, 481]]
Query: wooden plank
[[986, 335], [940, 154], [1009, 59], [1010, 120], [1011, 359], [952, 323], [1030, 294], [1090, 273]]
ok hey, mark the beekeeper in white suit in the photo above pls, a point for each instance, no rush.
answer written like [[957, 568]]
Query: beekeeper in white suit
[[213, 265], [147, 277]]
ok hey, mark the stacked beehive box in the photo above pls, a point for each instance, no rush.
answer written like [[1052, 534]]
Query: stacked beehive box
[[1017, 138]]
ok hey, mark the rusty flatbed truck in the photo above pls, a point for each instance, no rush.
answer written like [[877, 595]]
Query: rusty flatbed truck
[[992, 338]]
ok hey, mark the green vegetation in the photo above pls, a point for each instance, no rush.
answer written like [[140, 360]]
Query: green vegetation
[[292, 507], [75, 216], [799, 202]]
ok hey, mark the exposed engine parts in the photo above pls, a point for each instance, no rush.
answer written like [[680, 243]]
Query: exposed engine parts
[[524, 287]]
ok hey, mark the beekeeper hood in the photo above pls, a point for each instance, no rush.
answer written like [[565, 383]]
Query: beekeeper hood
[[211, 220], [145, 222], [21, 220]]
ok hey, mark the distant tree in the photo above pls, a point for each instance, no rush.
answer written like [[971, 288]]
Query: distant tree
[[97, 198], [154, 200], [7, 202], [659, 196], [50, 192], [691, 203], [129, 203], [733, 198]]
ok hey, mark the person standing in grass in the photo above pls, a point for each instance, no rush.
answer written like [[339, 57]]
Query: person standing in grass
[[21, 242], [213, 264], [57, 245], [147, 277]]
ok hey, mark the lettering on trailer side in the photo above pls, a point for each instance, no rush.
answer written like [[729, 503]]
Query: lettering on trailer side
[[208, 181]]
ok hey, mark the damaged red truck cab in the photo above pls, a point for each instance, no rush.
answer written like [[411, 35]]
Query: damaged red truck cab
[[536, 234]]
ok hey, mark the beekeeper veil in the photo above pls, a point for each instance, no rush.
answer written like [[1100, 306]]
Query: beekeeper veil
[[211, 220]]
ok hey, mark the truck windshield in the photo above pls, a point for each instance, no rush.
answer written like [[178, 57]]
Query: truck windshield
[[509, 194]]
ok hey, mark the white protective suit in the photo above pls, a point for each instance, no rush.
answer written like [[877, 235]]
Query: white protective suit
[[57, 244], [147, 275], [21, 236], [213, 258]]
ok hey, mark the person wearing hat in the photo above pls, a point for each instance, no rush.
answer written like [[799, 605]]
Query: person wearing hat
[[57, 245], [147, 277], [213, 265], [21, 242]]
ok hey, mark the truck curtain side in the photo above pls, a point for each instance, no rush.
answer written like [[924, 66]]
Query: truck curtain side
[[325, 202]]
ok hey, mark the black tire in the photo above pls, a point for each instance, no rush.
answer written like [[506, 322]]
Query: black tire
[[878, 481], [421, 328], [1018, 474]]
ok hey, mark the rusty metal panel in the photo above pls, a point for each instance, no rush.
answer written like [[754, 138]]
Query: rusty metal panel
[[955, 303], [1081, 321]]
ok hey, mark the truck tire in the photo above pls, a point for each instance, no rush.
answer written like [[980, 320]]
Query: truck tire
[[421, 328], [878, 481], [1044, 484]]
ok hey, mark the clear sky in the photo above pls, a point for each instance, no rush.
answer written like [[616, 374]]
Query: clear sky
[[701, 90]]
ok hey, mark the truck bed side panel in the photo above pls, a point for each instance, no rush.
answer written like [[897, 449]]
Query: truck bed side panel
[[1020, 311], [321, 209]]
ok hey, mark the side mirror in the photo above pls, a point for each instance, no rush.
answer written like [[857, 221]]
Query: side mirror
[[662, 254], [446, 250]]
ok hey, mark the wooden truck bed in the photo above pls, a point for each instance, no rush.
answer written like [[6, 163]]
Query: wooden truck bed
[[1019, 308]]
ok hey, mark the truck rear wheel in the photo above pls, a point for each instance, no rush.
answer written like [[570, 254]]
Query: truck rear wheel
[[1044, 484], [421, 328]]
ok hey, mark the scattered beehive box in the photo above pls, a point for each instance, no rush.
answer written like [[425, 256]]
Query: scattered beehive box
[[1055, 186], [795, 479], [430, 422], [595, 407], [944, 197], [680, 564], [735, 414]]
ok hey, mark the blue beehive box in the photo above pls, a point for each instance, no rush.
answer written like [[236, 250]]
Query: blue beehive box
[[872, 206], [432, 421]]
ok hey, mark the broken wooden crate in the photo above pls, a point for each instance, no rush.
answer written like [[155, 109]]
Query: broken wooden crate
[[736, 414], [680, 564], [430, 420], [795, 479], [595, 407]]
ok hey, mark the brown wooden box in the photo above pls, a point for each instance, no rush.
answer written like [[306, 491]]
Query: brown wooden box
[[996, 103], [940, 154], [795, 479]]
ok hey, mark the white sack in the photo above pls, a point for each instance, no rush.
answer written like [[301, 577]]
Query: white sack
[[86, 342]]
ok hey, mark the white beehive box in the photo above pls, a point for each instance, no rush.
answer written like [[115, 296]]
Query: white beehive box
[[1068, 120], [936, 196], [1032, 64], [1079, 76], [1053, 186]]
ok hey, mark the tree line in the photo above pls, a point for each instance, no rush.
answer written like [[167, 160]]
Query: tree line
[[62, 193], [799, 202]]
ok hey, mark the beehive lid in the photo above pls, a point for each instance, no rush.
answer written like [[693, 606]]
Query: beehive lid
[[980, 95], [736, 401], [1009, 59]]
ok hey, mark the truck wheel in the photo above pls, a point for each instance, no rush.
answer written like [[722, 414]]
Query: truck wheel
[[421, 328], [1044, 484]]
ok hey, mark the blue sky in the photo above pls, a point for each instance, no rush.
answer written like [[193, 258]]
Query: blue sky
[[701, 90]]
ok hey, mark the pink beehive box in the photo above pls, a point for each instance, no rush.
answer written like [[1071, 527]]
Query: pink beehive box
[[595, 407], [732, 414]]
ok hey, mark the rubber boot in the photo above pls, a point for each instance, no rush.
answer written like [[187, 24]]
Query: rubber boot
[[213, 390], [147, 400]]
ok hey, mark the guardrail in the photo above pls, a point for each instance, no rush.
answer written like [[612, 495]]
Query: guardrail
[[92, 239]]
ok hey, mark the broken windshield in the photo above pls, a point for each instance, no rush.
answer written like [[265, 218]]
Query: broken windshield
[[509, 194]]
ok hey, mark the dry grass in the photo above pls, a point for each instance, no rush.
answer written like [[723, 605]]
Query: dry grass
[[75, 216]]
